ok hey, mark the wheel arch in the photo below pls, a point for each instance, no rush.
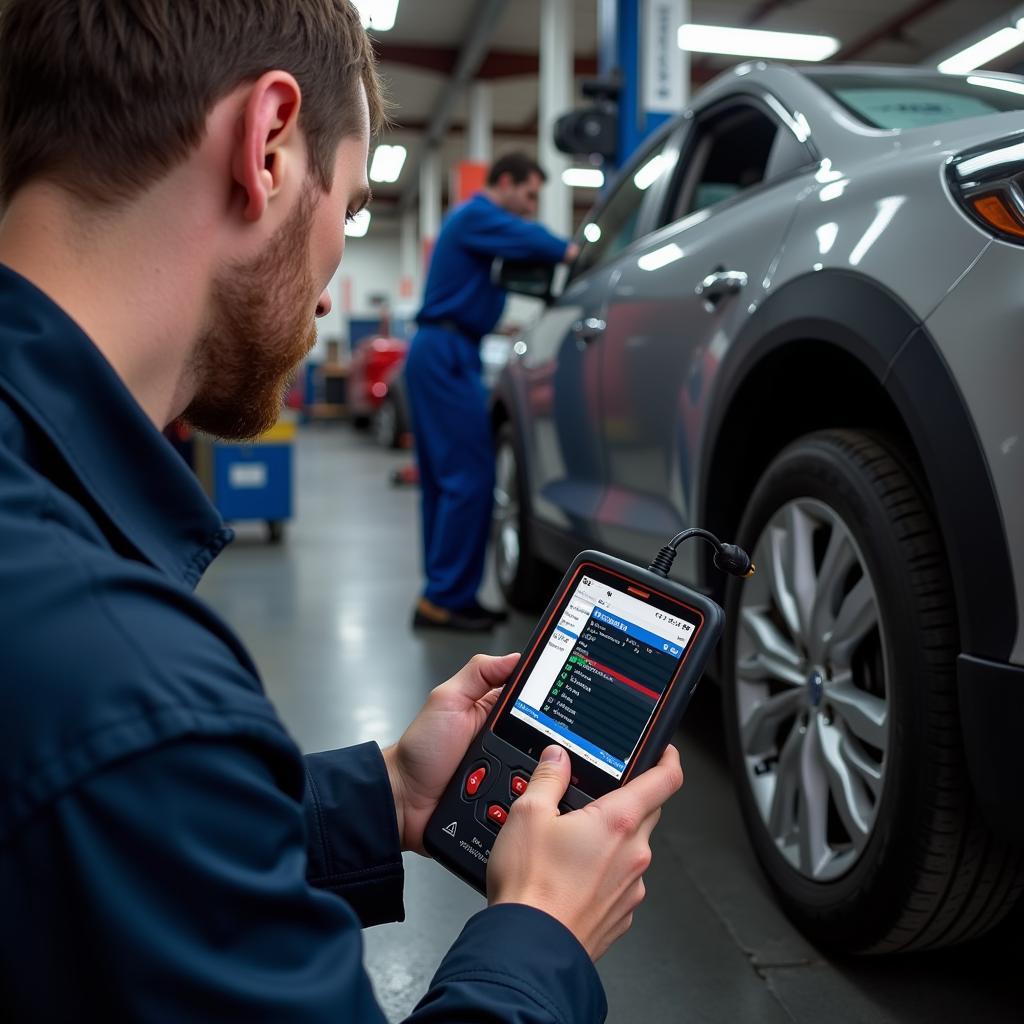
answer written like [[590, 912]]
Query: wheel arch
[[837, 349]]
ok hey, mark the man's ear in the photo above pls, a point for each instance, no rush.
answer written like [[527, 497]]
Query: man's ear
[[267, 145]]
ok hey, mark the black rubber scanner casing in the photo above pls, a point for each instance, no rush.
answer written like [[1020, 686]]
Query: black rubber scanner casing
[[459, 834]]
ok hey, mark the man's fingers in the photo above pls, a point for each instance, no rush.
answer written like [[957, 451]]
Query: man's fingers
[[482, 673], [649, 790], [550, 778]]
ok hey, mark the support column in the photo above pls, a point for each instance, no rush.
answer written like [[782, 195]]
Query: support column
[[409, 287], [480, 147], [430, 204], [556, 98], [638, 42]]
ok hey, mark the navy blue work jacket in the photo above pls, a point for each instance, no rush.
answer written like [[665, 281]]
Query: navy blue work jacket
[[459, 287], [166, 853]]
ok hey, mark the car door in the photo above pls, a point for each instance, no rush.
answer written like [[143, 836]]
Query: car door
[[561, 368], [678, 296]]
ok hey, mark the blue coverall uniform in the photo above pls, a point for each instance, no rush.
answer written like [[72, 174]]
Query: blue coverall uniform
[[447, 398], [166, 853]]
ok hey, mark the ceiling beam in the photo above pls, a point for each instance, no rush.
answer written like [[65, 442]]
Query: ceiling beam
[[471, 56], [894, 28], [497, 63]]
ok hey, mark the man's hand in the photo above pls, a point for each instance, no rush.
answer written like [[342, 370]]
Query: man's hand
[[584, 868], [422, 763], [572, 250]]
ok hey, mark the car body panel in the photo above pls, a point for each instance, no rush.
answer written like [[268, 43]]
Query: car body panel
[[991, 386]]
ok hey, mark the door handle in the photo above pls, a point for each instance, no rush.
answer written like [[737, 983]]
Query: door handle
[[716, 286], [589, 328]]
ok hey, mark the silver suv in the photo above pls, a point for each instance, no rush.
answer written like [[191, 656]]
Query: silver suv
[[797, 319]]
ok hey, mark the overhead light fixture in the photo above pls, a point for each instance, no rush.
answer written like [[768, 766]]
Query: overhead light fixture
[[592, 233], [377, 14], [583, 177], [984, 50], [358, 225], [996, 83], [752, 42], [387, 163], [650, 172]]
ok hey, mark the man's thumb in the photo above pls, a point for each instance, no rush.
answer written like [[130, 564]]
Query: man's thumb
[[551, 776]]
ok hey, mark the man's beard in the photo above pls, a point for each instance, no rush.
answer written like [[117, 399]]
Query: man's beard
[[260, 329]]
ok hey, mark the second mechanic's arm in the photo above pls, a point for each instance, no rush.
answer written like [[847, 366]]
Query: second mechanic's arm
[[488, 230]]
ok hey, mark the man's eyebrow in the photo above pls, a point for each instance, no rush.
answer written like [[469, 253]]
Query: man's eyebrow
[[361, 200]]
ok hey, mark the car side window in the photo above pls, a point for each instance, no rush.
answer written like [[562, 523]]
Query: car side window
[[614, 227], [735, 150]]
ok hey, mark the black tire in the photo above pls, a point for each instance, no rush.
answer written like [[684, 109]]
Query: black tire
[[525, 581], [275, 531], [929, 872]]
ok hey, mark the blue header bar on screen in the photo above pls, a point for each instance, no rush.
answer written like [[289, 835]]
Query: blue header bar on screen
[[659, 643]]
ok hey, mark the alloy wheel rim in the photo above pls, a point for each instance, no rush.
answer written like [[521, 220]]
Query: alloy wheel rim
[[506, 515], [812, 690]]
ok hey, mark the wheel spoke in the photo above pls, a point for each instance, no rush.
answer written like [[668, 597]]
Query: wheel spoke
[[857, 616], [774, 658], [869, 772], [864, 714], [815, 853], [781, 820], [847, 791], [781, 591], [839, 558], [761, 727]]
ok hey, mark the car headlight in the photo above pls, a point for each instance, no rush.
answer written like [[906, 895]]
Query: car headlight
[[988, 182]]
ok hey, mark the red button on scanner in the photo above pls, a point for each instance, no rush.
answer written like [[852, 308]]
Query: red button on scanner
[[497, 814], [518, 785], [474, 779]]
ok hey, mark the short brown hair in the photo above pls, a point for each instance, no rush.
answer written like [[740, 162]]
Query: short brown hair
[[104, 97], [518, 165]]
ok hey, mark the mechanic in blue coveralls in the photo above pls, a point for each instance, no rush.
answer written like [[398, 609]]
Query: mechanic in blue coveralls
[[447, 397], [174, 192]]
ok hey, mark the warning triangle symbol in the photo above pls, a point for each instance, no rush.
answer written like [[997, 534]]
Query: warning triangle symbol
[[450, 829]]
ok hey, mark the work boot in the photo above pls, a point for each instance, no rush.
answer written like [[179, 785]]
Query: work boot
[[428, 615]]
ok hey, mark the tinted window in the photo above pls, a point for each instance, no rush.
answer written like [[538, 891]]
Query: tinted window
[[731, 154], [614, 227], [892, 101]]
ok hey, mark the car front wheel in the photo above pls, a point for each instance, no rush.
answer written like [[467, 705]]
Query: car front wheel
[[524, 580], [841, 708]]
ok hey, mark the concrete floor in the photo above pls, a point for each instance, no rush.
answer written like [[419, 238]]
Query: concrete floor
[[326, 616]]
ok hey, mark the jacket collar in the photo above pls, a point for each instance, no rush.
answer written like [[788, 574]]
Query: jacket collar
[[56, 376]]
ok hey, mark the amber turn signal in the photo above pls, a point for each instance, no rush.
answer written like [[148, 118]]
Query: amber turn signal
[[994, 210]]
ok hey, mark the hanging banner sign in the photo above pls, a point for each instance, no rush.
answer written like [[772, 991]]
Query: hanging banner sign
[[662, 61]]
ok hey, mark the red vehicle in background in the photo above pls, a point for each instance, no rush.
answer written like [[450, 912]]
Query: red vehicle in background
[[369, 375]]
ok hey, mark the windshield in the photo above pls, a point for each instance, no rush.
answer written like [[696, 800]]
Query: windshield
[[899, 101]]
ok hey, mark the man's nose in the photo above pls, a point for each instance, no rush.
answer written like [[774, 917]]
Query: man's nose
[[323, 307]]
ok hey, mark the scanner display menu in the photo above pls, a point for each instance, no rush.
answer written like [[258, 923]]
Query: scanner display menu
[[601, 674]]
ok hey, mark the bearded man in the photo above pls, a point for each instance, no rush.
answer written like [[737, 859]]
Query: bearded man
[[175, 179]]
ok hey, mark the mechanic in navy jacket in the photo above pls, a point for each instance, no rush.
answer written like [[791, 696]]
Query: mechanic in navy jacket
[[447, 397], [175, 190]]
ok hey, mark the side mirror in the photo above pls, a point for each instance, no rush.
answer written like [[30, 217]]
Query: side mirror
[[533, 279]]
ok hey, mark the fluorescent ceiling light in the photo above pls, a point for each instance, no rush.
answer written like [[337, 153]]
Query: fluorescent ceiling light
[[983, 51], [358, 225], [650, 172], [996, 83], [592, 233], [750, 42], [387, 163], [583, 177], [377, 14]]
